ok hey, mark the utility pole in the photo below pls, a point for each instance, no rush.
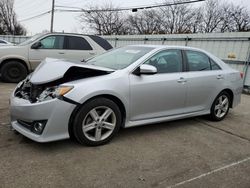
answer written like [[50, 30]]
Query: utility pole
[[52, 16]]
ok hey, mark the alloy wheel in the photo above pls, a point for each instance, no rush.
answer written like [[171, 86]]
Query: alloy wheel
[[221, 106], [99, 123]]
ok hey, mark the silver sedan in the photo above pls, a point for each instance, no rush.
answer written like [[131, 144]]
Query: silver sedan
[[126, 87]]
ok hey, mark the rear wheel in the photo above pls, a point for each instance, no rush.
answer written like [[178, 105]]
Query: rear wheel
[[97, 122], [220, 107], [13, 71]]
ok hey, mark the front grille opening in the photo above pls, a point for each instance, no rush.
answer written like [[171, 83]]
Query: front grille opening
[[25, 124]]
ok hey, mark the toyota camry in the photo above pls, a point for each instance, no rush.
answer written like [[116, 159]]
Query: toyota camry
[[125, 87]]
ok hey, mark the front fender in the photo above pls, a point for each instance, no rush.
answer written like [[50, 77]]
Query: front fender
[[90, 88]]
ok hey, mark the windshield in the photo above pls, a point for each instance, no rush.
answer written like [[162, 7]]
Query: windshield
[[30, 40], [119, 58]]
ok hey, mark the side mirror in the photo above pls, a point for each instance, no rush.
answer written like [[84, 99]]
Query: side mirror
[[36, 45], [147, 69]]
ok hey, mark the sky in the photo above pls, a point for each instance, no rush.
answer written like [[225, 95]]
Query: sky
[[69, 22]]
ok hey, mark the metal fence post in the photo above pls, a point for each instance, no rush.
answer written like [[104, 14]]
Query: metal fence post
[[116, 39], [163, 40], [186, 41], [246, 67]]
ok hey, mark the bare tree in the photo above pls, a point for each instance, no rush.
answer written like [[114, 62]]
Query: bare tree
[[176, 18], [8, 21], [212, 16], [241, 18], [104, 21], [145, 22], [227, 22], [234, 18], [196, 20]]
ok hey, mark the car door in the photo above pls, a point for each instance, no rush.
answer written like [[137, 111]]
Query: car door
[[78, 48], [51, 46], [161, 94], [204, 80]]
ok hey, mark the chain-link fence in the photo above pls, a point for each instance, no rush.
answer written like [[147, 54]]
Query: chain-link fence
[[233, 48], [14, 39]]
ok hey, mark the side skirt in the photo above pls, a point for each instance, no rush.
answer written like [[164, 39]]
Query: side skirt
[[164, 119]]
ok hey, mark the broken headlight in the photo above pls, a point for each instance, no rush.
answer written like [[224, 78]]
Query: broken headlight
[[53, 92]]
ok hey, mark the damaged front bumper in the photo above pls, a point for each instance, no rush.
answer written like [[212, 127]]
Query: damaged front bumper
[[54, 114], [39, 107]]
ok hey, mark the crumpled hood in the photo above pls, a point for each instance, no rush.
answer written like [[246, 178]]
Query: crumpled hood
[[54, 69]]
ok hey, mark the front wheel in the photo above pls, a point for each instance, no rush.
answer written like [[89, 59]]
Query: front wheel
[[97, 122], [220, 107]]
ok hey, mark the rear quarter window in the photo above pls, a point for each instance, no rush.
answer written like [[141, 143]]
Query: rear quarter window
[[214, 66], [102, 42], [198, 61]]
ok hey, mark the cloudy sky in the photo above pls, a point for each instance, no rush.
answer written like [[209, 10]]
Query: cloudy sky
[[69, 22]]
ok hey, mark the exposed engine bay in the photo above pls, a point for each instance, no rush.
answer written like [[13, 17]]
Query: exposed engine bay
[[46, 91]]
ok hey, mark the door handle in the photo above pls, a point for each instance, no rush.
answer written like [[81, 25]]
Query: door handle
[[219, 77], [182, 80], [61, 53], [92, 53]]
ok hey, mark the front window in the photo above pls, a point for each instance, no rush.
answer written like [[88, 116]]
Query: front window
[[52, 42], [119, 58], [167, 61]]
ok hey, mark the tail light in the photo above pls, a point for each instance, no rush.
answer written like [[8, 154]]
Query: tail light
[[241, 75]]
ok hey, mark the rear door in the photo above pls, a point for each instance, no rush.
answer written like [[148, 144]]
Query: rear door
[[204, 80], [78, 48], [52, 46]]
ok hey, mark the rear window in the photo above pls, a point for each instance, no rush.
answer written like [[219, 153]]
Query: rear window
[[77, 43], [198, 61], [102, 42]]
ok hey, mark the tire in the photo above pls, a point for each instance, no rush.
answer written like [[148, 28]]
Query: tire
[[13, 72], [103, 118], [220, 106]]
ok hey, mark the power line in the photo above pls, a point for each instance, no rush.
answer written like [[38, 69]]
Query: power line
[[31, 8], [30, 5], [134, 9], [62, 6], [72, 2], [37, 16]]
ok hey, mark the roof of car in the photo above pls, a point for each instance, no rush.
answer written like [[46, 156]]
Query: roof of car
[[61, 33], [167, 46]]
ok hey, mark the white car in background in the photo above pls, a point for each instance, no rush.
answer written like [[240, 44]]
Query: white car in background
[[17, 61]]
